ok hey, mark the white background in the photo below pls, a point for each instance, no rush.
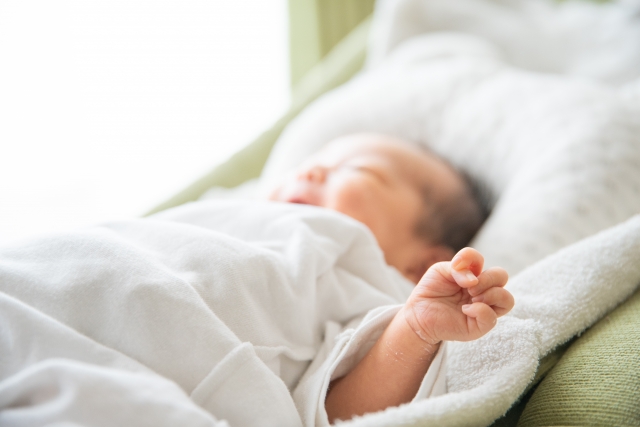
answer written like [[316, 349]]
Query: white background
[[109, 107]]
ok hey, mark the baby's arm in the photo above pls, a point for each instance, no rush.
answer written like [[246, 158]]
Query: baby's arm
[[454, 301]]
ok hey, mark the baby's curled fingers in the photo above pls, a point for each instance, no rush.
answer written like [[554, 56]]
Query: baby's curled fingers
[[466, 266], [481, 319], [499, 299], [493, 277]]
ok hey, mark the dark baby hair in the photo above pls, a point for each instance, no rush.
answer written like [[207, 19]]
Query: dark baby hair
[[454, 219]]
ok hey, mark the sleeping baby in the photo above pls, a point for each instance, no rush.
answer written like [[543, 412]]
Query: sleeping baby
[[253, 313], [421, 211]]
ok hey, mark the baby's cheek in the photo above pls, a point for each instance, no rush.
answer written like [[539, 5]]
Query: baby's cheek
[[351, 200]]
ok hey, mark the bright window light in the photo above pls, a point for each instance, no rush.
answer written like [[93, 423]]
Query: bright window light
[[109, 107]]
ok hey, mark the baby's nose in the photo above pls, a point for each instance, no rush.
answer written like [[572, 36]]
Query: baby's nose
[[316, 174]]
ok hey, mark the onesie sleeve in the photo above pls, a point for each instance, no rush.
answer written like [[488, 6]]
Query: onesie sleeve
[[341, 351]]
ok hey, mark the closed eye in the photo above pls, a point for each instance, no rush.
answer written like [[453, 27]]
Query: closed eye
[[373, 172]]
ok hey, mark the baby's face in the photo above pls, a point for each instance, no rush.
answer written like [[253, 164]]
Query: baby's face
[[378, 181]]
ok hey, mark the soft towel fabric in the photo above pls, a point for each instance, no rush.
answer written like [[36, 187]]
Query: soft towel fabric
[[207, 314]]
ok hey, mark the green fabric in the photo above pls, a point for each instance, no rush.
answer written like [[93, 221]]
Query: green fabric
[[510, 419], [317, 26], [597, 381], [338, 66]]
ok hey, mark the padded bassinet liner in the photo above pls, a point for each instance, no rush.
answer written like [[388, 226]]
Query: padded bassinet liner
[[559, 156], [584, 38]]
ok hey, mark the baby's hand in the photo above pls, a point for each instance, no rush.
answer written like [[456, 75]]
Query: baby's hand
[[457, 301]]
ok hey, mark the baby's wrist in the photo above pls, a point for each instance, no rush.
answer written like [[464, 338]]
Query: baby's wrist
[[411, 320], [403, 344]]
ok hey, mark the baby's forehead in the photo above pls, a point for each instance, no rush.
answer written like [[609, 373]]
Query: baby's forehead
[[413, 163], [400, 154]]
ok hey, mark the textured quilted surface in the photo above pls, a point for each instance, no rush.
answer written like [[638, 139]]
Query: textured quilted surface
[[558, 156], [588, 386]]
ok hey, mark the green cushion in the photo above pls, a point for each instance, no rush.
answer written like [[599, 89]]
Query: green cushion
[[597, 381], [317, 26], [510, 419]]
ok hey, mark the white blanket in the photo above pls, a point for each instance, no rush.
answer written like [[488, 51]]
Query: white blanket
[[211, 311]]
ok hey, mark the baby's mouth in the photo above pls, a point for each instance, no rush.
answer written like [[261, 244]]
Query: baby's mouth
[[305, 193], [301, 200], [297, 200]]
